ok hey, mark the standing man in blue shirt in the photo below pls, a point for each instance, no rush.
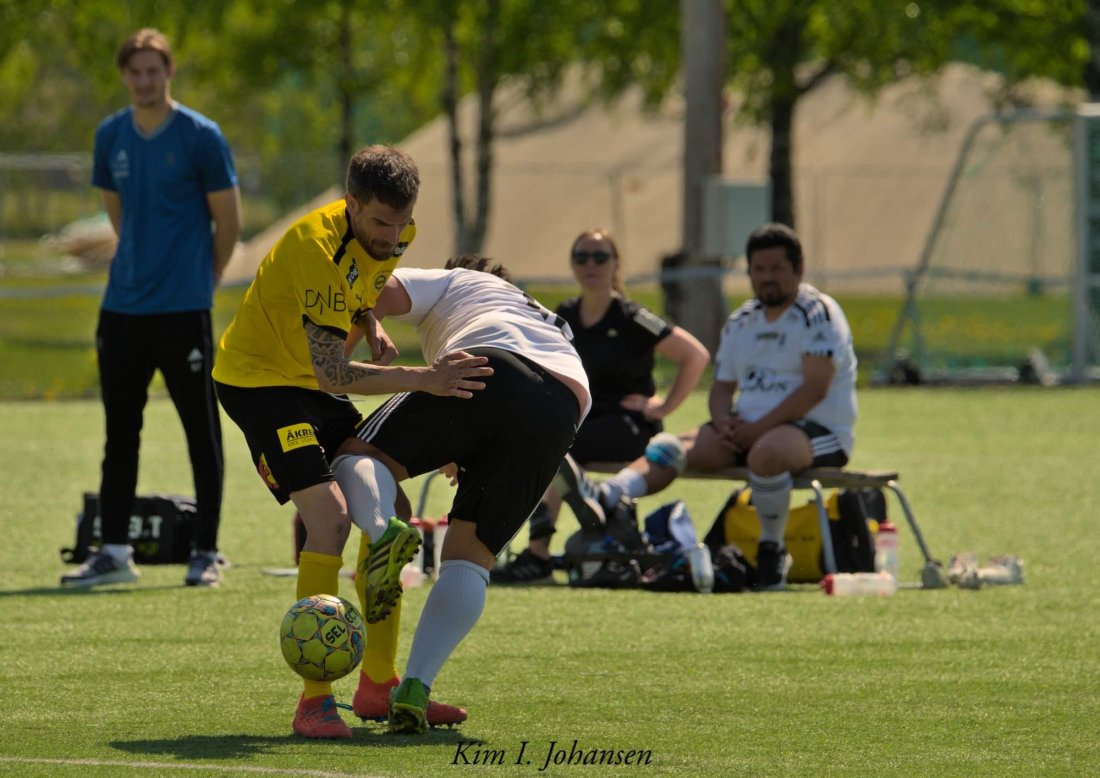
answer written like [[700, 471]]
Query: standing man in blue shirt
[[170, 189]]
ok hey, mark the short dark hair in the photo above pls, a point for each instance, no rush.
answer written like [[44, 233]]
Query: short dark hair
[[145, 39], [385, 174], [480, 263], [775, 234]]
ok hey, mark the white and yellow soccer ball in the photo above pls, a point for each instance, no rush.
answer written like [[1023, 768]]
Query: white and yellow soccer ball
[[322, 637]]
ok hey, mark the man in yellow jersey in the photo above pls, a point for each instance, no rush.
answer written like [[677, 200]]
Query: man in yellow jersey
[[283, 371]]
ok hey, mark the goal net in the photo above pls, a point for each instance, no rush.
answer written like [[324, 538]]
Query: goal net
[[991, 297]]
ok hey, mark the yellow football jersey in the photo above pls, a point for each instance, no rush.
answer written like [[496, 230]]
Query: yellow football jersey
[[317, 271]]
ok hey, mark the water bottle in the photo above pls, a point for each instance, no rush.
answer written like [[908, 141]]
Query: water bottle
[[702, 570], [848, 584], [886, 549]]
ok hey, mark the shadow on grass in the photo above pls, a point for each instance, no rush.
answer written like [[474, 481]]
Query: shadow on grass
[[191, 747], [88, 590]]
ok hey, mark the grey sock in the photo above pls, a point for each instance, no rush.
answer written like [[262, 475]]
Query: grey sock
[[771, 496], [451, 611]]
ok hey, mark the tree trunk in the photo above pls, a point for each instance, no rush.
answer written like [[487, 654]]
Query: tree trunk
[[779, 163], [785, 55], [347, 100], [1092, 36], [487, 78], [449, 98], [704, 63]]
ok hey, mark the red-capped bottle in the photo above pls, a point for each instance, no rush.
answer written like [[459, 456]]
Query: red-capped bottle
[[881, 584]]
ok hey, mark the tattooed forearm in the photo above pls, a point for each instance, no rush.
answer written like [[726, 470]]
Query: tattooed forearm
[[327, 353]]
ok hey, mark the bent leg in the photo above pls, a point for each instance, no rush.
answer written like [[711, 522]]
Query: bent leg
[[779, 452], [327, 523], [380, 655], [454, 604]]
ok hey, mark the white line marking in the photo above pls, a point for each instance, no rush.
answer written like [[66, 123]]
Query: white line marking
[[179, 766]]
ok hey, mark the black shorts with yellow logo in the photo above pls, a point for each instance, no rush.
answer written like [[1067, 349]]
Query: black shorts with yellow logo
[[292, 433]]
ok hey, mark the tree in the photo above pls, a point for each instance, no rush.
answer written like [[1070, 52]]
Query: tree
[[322, 78], [1092, 38], [485, 44], [704, 73], [786, 49], [470, 228]]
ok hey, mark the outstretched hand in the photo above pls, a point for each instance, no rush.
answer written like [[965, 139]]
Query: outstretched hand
[[454, 374]]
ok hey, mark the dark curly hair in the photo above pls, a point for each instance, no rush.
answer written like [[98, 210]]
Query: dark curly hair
[[772, 235], [385, 174], [478, 262]]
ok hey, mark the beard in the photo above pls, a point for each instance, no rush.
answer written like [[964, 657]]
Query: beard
[[773, 297], [374, 249]]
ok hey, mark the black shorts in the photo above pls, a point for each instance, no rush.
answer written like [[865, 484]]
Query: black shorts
[[613, 435], [824, 442], [292, 433], [507, 440], [825, 445]]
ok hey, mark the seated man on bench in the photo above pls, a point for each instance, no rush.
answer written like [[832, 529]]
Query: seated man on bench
[[786, 354]]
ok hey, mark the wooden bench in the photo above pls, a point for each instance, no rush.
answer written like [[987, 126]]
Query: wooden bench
[[818, 479]]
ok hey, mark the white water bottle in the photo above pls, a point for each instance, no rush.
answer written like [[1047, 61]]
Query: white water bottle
[[849, 584], [702, 569], [886, 549]]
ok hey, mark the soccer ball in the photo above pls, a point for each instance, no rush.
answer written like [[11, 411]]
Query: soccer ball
[[322, 637]]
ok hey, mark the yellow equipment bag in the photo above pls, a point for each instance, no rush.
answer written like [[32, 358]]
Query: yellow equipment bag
[[853, 548]]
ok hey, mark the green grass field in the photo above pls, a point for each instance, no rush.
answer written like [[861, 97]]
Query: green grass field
[[47, 342], [156, 679]]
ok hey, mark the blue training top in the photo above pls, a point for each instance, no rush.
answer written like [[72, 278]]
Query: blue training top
[[165, 257]]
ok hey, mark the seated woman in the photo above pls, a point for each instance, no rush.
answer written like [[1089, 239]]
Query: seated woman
[[617, 340]]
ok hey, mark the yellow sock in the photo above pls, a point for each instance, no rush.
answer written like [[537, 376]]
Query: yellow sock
[[318, 574], [380, 654]]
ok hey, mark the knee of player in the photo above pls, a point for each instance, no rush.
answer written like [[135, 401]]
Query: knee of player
[[768, 460], [667, 451], [328, 531]]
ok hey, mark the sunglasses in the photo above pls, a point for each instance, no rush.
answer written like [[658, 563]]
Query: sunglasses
[[599, 257]]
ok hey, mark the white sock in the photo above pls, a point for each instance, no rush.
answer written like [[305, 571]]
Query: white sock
[[120, 551], [370, 490], [771, 496], [626, 482], [451, 611]]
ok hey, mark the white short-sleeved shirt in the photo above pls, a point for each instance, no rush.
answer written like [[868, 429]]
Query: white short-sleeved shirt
[[461, 309], [765, 359]]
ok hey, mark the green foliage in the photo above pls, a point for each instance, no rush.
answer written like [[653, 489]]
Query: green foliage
[[1021, 38], [271, 73], [628, 42], [155, 678], [290, 81]]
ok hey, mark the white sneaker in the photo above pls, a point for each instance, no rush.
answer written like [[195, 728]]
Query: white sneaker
[[101, 568], [203, 570]]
